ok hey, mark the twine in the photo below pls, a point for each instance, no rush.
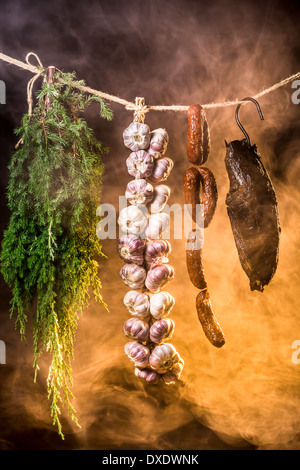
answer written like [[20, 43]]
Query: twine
[[31, 82], [139, 107]]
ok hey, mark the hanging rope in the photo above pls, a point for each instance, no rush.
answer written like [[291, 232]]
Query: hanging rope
[[139, 106]]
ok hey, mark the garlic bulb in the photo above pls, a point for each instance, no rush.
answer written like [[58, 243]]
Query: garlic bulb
[[137, 303], [137, 353], [161, 304], [158, 276], [161, 170], [163, 358], [149, 375], [137, 136], [136, 329], [139, 192], [157, 252], [162, 330], [131, 249], [133, 275], [158, 225], [140, 164], [158, 143], [160, 198], [132, 220], [173, 374]]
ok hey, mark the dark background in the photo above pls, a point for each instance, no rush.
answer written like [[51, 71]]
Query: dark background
[[170, 52]]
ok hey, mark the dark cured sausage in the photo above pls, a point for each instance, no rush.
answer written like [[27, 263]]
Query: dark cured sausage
[[192, 191], [198, 138], [209, 322], [199, 180], [209, 194], [194, 260]]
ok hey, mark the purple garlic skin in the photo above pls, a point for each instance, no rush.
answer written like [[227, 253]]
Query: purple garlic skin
[[158, 277], [140, 164], [161, 170], [137, 303], [137, 353], [133, 275], [139, 192], [161, 304], [157, 252], [136, 136], [136, 329], [131, 249], [159, 143], [173, 374], [158, 225], [160, 198], [163, 358], [148, 375], [162, 330]]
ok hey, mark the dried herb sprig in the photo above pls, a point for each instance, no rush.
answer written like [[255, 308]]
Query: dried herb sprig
[[50, 250]]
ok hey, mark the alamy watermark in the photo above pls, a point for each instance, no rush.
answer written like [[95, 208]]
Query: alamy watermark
[[296, 95], [296, 354], [2, 92], [139, 221], [2, 352]]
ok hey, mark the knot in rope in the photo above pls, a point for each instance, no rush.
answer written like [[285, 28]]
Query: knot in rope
[[139, 108]]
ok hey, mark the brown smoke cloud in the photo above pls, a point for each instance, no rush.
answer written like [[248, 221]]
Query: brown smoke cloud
[[245, 395]]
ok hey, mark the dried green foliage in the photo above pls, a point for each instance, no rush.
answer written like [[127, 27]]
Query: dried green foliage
[[50, 247]]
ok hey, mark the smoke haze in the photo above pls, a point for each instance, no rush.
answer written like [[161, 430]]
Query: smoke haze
[[245, 395]]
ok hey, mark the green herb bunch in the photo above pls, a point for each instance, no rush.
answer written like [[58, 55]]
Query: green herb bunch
[[50, 250]]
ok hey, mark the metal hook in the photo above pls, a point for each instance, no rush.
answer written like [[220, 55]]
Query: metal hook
[[238, 121]]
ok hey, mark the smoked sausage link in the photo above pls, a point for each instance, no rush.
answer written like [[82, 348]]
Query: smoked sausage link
[[208, 320], [192, 180], [209, 194], [194, 261], [198, 138], [197, 180]]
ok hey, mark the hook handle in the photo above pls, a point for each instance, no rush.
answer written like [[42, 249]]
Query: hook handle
[[238, 121]]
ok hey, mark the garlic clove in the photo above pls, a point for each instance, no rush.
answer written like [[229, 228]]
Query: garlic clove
[[161, 170], [131, 249], [132, 220], [133, 275], [148, 375], [162, 330], [173, 374], [160, 198], [158, 225], [139, 192], [161, 304], [137, 353], [163, 357], [140, 164], [158, 276], [158, 143], [157, 252], [137, 303], [137, 136], [136, 329]]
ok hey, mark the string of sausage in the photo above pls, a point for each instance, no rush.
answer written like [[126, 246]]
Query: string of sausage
[[197, 180]]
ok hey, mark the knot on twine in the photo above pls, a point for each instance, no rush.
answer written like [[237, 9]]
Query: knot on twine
[[139, 108], [40, 71]]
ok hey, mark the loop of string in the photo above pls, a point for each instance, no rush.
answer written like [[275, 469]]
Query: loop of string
[[31, 82]]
